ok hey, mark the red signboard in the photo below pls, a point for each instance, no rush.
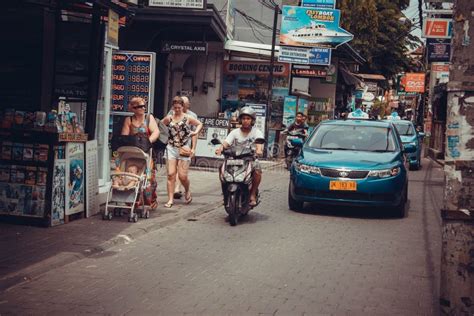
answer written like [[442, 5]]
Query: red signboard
[[415, 82], [437, 28]]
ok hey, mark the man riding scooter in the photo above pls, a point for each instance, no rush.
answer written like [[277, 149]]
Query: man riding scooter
[[245, 135], [297, 129]]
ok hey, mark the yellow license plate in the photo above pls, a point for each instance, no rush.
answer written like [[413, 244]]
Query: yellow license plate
[[343, 185]]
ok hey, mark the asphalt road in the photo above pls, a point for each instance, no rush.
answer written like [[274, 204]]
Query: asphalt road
[[329, 260]]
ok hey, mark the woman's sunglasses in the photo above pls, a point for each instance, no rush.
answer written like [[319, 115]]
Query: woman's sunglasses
[[139, 107]]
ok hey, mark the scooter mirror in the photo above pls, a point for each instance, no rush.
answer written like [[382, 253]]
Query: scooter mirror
[[215, 141], [260, 141]]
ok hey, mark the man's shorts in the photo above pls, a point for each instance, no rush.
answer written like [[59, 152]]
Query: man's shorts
[[256, 165]]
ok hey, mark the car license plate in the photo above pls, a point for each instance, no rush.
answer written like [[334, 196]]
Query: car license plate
[[235, 162], [343, 185]]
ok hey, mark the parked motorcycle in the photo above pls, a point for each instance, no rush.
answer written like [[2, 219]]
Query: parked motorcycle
[[236, 179], [292, 151]]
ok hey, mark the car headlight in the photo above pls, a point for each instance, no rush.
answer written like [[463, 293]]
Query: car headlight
[[384, 173], [307, 169]]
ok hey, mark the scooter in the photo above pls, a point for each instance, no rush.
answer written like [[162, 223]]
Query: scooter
[[236, 179], [292, 151]]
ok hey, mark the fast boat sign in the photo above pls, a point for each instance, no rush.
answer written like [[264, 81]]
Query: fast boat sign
[[312, 27]]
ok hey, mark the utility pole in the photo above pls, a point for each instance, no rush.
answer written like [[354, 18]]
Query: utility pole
[[457, 253], [270, 76]]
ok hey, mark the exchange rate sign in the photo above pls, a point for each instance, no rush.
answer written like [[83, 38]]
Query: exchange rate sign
[[132, 76]]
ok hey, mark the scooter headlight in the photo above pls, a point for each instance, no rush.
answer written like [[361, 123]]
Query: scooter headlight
[[228, 177], [307, 168]]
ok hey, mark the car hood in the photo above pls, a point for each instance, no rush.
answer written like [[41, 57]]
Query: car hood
[[408, 139], [350, 159]]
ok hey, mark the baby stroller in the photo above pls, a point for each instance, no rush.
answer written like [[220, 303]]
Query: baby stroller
[[133, 197]]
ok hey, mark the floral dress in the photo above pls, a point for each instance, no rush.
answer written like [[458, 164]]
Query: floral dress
[[179, 136]]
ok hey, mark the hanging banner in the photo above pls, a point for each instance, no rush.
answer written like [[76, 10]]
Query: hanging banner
[[303, 55], [323, 4], [439, 50], [437, 28], [289, 110], [113, 28], [312, 28], [415, 82], [133, 75]]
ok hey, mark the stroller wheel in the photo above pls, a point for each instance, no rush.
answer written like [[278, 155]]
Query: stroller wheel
[[133, 218]]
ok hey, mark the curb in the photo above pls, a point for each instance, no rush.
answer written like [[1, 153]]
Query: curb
[[439, 162]]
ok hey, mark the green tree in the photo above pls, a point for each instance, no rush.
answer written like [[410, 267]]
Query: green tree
[[379, 35]]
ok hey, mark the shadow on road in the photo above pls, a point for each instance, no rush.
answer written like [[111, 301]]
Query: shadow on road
[[350, 212]]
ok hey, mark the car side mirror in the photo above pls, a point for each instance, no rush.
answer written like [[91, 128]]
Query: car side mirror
[[421, 134], [215, 141], [297, 142], [409, 148]]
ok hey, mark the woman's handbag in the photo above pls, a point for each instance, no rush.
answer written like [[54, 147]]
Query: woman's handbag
[[185, 151]]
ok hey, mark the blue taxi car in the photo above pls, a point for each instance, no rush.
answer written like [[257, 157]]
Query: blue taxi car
[[352, 162], [409, 135]]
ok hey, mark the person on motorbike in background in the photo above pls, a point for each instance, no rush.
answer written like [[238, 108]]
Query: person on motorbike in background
[[246, 135], [297, 127]]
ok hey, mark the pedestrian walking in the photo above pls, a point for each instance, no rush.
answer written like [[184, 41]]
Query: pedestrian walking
[[179, 149], [178, 193]]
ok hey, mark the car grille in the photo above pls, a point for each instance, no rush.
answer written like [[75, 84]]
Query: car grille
[[346, 195], [351, 174]]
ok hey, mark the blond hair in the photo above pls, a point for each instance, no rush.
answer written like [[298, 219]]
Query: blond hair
[[136, 101]]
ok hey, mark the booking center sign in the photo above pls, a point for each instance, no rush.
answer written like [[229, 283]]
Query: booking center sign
[[133, 75]]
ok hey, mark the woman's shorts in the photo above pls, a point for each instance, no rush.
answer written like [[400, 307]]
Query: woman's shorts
[[173, 153]]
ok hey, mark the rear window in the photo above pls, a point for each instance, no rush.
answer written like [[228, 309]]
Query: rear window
[[347, 137], [405, 129]]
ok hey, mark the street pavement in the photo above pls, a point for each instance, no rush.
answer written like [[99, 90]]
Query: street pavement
[[322, 261]]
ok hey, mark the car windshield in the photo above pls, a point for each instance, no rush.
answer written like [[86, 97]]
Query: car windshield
[[405, 129], [353, 137]]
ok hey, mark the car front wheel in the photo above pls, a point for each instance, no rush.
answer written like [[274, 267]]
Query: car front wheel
[[293, 204], [400, 210]]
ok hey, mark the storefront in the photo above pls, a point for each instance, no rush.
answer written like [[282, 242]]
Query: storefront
[[50, 82]]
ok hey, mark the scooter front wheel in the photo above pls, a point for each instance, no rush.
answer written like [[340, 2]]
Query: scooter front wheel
[[233, 209]]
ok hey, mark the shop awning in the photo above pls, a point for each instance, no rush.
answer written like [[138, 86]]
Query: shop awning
[[350, 79], [371, 77], [177, 25]]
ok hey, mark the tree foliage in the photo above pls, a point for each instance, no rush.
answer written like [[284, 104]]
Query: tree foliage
[[379, 35]]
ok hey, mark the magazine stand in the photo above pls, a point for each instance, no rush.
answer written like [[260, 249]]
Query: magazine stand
[[41, 176]]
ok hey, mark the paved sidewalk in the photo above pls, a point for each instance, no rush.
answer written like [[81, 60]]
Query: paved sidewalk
[[30, 251]]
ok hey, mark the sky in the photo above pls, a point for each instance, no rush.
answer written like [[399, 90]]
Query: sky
[[412, 13]]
